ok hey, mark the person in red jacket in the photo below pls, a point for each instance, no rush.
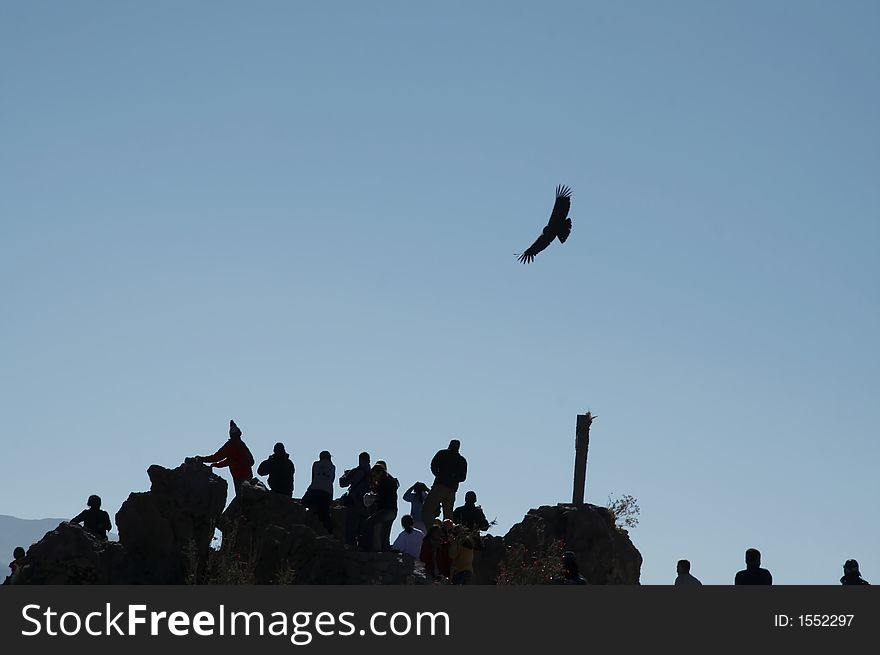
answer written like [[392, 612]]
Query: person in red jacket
[[234, 454]]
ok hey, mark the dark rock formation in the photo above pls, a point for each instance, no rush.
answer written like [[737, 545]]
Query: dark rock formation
[[165, 528], [69, 554], [604, 553]]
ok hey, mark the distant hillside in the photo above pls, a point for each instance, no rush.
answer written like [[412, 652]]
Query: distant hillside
[[22, 532]]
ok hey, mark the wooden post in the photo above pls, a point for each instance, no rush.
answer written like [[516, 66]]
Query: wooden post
[[581, 445]]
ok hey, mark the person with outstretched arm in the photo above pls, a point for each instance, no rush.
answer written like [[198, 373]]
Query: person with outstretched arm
[[234, 454]]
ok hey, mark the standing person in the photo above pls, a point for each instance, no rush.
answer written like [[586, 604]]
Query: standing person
[[435, 552], [16, 565], [280, 469], [319, 495], [377, 528], [410, 539], [429, 553], [753, 573], [685, 579], [389, 524], [357, 480], [416, 496], [461, 554], [94, 519], [449, 469], [444, 557], [851, 573], [234, 454]]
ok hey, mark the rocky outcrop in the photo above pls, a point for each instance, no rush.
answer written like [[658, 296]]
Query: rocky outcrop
[[164, 529], [166, 535], [71, 555], [605, 553]]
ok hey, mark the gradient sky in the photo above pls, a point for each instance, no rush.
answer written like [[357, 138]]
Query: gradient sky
[[304, 215]]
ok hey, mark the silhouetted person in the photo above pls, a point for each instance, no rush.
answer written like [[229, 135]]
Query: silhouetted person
[[416, 496], [94, 519], [444, 558], [388, 525], [685, 579], [461, 554], [236, 455], [449, 469], [377, 527], [851, 574], [571, 573], [429, 553], [357, 480], [319, 495], [16, 565], [470, 515], [753, 573], [435, 552], [280, 469], [409, 540]]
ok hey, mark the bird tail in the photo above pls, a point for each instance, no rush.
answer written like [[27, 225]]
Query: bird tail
[[564, 231]]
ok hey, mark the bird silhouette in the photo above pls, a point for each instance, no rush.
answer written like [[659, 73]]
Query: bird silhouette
[[558, 227]]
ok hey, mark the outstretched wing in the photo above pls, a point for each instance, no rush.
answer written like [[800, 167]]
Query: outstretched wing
[[561, 206], [563, 230], [540, 243]]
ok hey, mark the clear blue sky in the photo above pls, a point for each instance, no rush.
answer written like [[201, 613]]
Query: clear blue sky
[[303, 216]]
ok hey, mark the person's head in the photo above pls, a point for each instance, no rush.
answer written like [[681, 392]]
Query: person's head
[[325, 455], [434, 532], [454, 445], [470, 498], [683, 566], [407, 522], [377, 473], [421, 487], [18, 552], [94, 502], [364, 459], [381, 462], [753, 558], [279, 449], [851, 567], [234, 431], [448, 524]]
